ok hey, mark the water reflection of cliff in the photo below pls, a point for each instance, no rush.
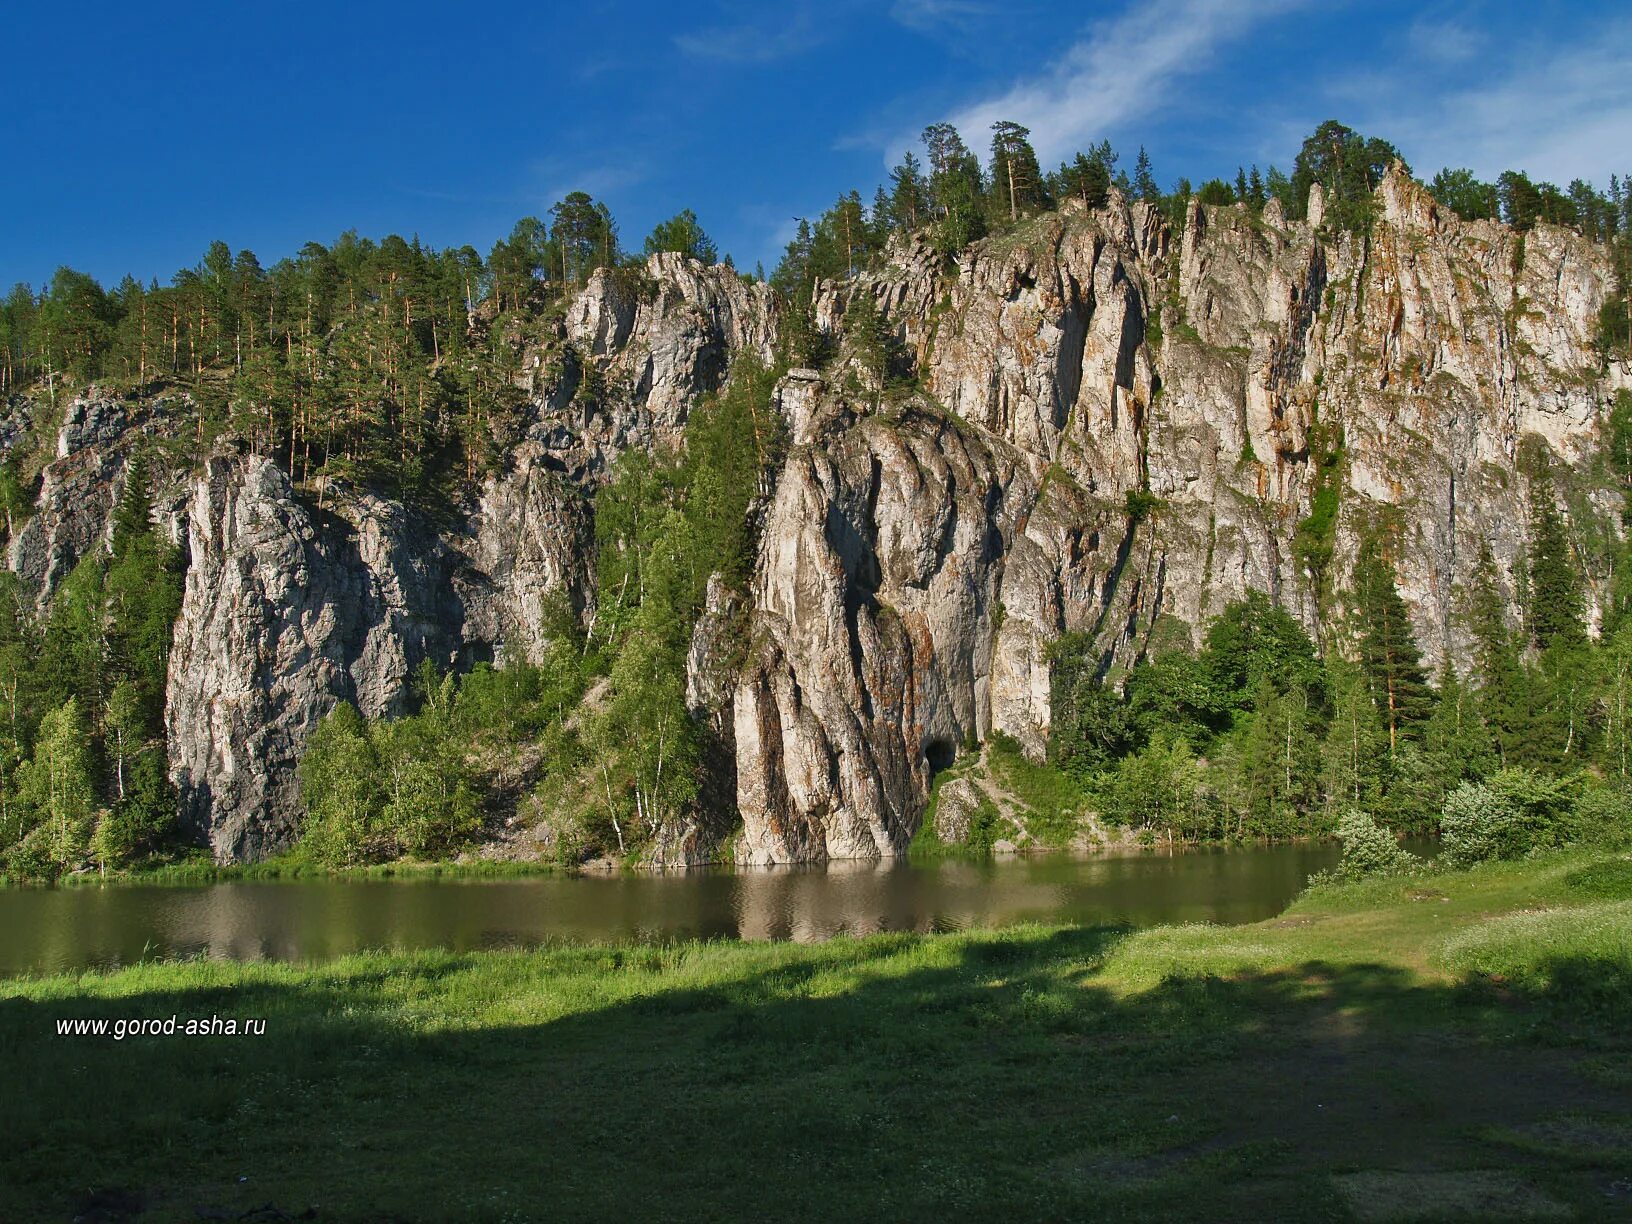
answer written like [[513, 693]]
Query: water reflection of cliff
[[65, 929]]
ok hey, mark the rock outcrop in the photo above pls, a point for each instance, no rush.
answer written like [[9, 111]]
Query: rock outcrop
[[660, 336], [289, 610], [1120, 429], [1118, 426]]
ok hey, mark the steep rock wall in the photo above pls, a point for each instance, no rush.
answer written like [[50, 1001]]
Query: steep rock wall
[[1117, 428]]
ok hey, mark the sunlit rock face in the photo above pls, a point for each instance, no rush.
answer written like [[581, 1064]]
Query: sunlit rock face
[[1118, 426], [291, 607], [918, 560]]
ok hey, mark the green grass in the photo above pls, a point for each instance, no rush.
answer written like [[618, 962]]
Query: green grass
[[1388, 1050], [1054, 800]]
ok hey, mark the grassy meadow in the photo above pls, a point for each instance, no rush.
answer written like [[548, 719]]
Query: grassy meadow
[[1453, 1046]]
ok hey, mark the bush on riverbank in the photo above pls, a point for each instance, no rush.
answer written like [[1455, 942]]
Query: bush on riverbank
[[1369, 851]]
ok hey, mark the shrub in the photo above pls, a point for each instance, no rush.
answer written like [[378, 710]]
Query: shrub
[[1478, 824], [1511, 813], [1602, 817], [1369, 850]]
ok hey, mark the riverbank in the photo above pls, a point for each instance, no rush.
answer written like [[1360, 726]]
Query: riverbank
[[1456, 1042], [297, 867]]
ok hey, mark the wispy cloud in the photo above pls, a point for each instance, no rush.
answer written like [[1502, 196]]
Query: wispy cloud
[[556, 181], [1121, 68], [1450, 42], [935, 15], [1558, 113], [760, 36]]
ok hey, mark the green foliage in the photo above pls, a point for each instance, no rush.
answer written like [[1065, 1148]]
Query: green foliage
[[1017, 181], [1601, 816], [681, 233], [1317, 531], [1387, 650], [98, 660], [1089, 725], [1465, 195], [1369, 851], [1159, 789], [339, 783], [614, 774], [1554, 603], [1255, 639], [1054, 800], [1087, 177], [55, 797], [1140, 504], [584, 236], [1348, 166], [417, 786], [956, 189], [1176, 692], [1508, 815]]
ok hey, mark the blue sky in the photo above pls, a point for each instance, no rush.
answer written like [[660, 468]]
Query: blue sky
[[134, 134]]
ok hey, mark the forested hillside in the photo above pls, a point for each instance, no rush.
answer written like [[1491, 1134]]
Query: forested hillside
[[1211, 512]]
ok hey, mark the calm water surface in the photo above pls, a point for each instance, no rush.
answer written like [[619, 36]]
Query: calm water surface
[[45, 930]]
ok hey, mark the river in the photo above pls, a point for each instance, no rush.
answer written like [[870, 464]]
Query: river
[[67, 929]]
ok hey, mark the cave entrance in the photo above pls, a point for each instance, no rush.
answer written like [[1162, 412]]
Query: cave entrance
[[940, 754]]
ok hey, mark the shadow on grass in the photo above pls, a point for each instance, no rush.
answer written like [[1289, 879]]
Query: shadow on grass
[[897, 1078]]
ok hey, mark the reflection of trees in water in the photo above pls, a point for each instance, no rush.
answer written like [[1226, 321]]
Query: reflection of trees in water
[[73, 928]]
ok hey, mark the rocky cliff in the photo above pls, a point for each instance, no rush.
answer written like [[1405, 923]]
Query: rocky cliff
[[1115, 428], [1120, 425]]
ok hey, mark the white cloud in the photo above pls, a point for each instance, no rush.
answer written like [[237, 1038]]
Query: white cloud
[[926, 15], [1121, 68], [1558, 115], [1447, 41], [785, 30], [556, 181]]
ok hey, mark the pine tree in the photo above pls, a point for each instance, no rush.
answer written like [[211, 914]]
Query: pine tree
[[1455, 740], [1274, 762], [681, 233], [584, 236], [1505, 697], [1016, 179], [1387, 650], [1354, 746], [909, 204], [955, 188], [1555, 590], [1144, 179]]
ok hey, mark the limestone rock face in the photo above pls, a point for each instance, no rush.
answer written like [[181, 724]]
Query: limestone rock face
[[1117, 427], [285, 613], [526, 550], [78, 490], [668, 333], [874, 628], [1122, 430], [288, 610]]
